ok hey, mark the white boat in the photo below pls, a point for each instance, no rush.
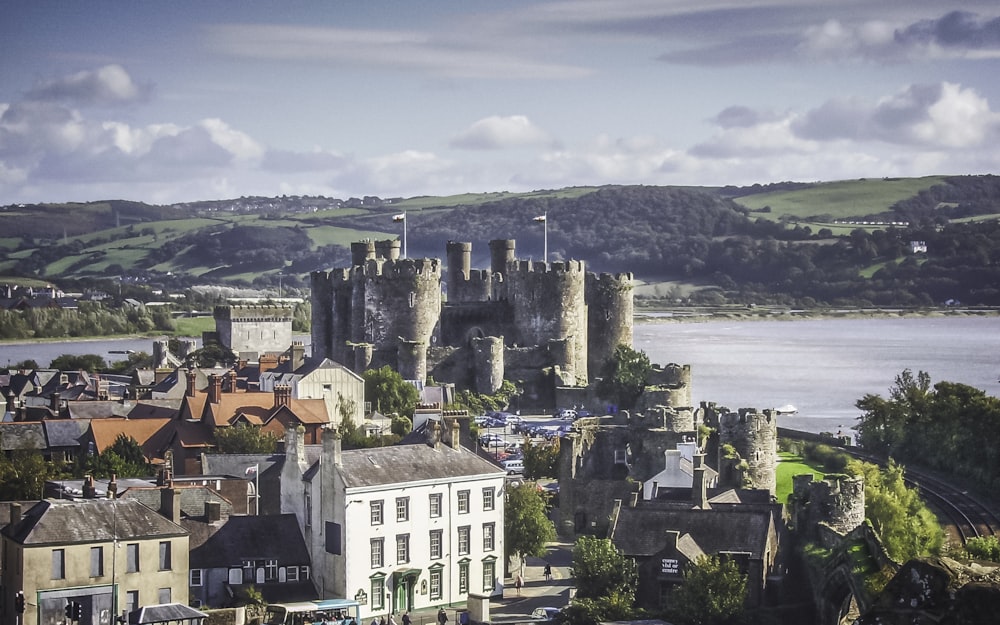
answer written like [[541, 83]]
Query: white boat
[[786, 409]]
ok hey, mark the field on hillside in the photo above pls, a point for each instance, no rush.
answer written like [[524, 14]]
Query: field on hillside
[[839, 200]]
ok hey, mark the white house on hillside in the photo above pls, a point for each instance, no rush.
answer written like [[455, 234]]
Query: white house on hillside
[[405, 527]]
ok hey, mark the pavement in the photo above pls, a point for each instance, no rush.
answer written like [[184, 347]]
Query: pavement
[[537, 592]]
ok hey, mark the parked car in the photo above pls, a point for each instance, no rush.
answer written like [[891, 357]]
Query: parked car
[[513, 467], [546, 614], [565, 413], [492, 440], [481, 419]]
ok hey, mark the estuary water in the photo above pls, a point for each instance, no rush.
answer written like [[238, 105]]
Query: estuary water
[[820, 366]]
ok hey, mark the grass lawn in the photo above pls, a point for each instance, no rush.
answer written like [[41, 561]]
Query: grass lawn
[[194, 326], [789, 465]]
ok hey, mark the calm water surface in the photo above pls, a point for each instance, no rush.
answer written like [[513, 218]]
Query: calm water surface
[[820, 366], [823, 366]]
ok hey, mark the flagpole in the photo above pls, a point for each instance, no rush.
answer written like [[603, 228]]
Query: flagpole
[[404, 234], [545, 222], [256, 488]]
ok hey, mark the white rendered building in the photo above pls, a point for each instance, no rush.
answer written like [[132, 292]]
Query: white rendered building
[[404, 527]]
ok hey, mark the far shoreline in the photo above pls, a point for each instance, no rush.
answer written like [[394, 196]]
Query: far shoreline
[[709, 314]]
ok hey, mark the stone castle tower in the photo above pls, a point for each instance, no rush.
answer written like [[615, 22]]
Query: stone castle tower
[[754, 435], [516, 315]]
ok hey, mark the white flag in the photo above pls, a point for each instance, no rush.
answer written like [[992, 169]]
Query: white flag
[[540, 218], [399, 217]]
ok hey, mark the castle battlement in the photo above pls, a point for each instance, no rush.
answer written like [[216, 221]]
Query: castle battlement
[[537, 266], [252, 312], [610, 278], [405, 267]]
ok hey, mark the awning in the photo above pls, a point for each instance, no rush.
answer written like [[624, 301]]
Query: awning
[[165, 613], [399, 574]]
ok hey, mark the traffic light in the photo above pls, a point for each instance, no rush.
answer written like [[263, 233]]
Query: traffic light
[[19, 601], [77, 611]]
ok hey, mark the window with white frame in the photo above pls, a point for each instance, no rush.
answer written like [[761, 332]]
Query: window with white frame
[[402, 509], [378, 549], [96, 561], [463, 540], [435, 584], [195, 577], [463, 577], [165, 560], [489, 498], [435, 505], [376, 512], [463, 502], [292, 574], [488, 536], [378, 593], [402, 548], [132, 558], [489, 575], [436, 536]]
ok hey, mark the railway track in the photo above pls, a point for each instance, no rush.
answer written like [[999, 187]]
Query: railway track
[[962, 514]]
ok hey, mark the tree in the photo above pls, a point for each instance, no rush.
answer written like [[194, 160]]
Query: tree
[[23, 474], [124, 458], [540, 459], [79, 362], [389, 392], [527, 528], [713, 593], [28, 365], [908, 529], [245, 439], [602, 571], [623, 377], [211, 355]]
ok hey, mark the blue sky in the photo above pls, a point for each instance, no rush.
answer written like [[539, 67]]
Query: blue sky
[[176, 101]]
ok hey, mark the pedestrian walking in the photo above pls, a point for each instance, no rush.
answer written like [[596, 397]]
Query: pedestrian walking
[[406, 618], [392, 619], [442, 616], [548, 572], [518, 582]]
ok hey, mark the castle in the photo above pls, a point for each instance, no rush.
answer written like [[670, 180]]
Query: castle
[[544, 324]]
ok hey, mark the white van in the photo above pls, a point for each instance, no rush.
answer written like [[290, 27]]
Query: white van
[[513, 467]]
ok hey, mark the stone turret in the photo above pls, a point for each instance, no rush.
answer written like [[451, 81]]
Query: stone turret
[[754, 435], [609, 316]]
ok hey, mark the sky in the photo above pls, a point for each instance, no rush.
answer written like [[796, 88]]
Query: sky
[[173, 101]]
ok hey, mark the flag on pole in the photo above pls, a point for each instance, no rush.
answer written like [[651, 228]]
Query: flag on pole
[[399, 217], [540, 218], [251, 471]]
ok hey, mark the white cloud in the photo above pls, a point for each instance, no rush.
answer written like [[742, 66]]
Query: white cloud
[[496, 132], [108, 85]]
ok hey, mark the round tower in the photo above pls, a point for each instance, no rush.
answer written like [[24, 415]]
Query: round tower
[[459, 259], [489, 363], [411, 360], [548, 304], [361, 252], [387, 249], [402, 301], [754, 435], [609, 316], [501, 253]]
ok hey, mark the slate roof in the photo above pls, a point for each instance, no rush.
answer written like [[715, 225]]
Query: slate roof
[[55, 522], [396, 464], [64, 432], [252, 536], [15, 436], [96, 409], [640, 531], [235, 465], [193, 498]]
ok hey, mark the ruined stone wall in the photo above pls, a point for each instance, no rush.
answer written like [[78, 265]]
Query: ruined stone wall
[[489, 364], [836, 501], [460, 323]]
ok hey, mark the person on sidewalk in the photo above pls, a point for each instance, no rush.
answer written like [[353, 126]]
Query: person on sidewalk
[[442, 616], [548, 572], [406, 618], [518, 582]]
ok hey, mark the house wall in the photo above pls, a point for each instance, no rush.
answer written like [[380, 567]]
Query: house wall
[[335, 385], [355, 572], [46, 598]]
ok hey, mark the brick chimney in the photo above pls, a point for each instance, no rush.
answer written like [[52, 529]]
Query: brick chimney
[[170, 502], [191, 377], [214, 388], [434, 434], [298, 355], [113, 487], [456, 434], [213, 511], [282, 395], [698, 487], [89, 490], [231, 381], [15, 513]]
